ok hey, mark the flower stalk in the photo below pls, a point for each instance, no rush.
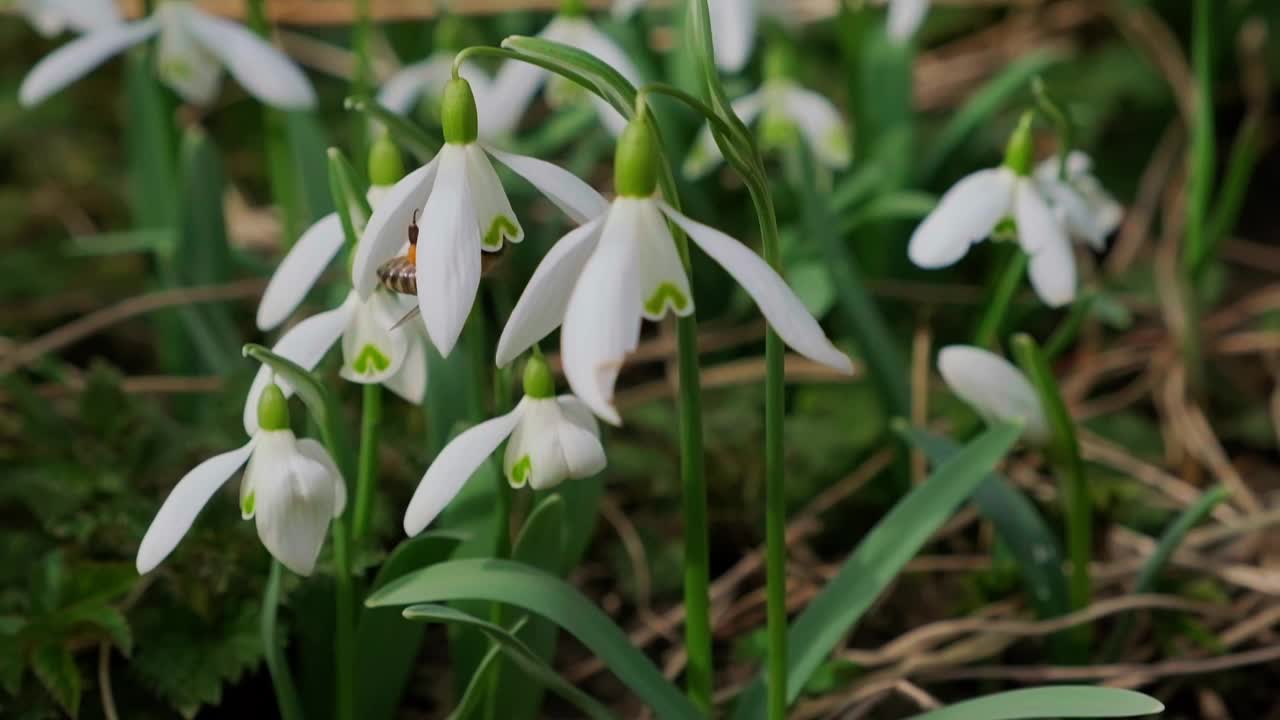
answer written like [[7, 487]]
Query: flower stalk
[[366, 477]]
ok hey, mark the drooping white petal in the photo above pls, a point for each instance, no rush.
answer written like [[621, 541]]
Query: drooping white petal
[[182, 60], [602, 320], [314, 450], [1089, 212], [51, 17], [494, 216], [295, 496], [576, 198], [449, 252], [403, 89], [516, 83], [371, 351], [1053, 267], [905, 17], [184, 503], [305, 344], [733, 31], [664, 284], [72, 61], [262, 69], [1073, 213], [820, 123], [453, 467], [589, 38], [299, 270], [778, 303], [410, 383], [533, 455], [966, 214], [541, 306], [705, 154], [388, 229], [580, 439], [995, 389]]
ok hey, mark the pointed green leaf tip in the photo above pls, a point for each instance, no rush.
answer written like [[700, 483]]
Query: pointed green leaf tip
[[458, 113], [539, 384], [635, 172], [386, 166], [1020, 152], [273, 409]]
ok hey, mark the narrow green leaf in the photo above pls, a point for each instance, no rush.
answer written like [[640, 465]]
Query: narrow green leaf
[[202, 256], [580, 67], [889, 207], [287, 702], [539, 592], [144, 240], [405, 133], [350, 197], [879, 558], [471, 702], [55, 666], [1050, 702], [518, 652]]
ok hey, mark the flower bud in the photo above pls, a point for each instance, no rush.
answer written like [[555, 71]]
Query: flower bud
[[386, 166], [1020, 151], [635, 171], [450, 33], [273, 409], [538, 381], [458, 113], [779, 62]]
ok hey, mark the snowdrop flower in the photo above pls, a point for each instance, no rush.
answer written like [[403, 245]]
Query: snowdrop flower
[[517, 82], [972, 209], [551, 439], [372, 353], [466, 214], [905, 18], [291, 488], [192, 48], [1088, 212], [604, 278], [733, 26], [783, 108], [996, 390], [53, 17], [403, 90]]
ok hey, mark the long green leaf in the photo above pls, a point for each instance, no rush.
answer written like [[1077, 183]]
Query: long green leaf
[[1051, 702], [579, 66], [413, 138], [273, 649], [879, 558], [471, 701], [539, 592], [521, 654]]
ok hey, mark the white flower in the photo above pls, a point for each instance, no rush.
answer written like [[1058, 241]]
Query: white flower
[[427, 79], [733, 26], [552, 439], [52, 17], [517, 82], [996, 390], [781, 102], [1088, 212], [466, 213], [972, 209], [291, 487], [905, 18], [193, 47], [601, 280]]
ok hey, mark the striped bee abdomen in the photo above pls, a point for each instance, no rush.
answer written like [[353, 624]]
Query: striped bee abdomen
[[399, 275]]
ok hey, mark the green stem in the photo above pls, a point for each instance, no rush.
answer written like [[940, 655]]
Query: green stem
[[280, 166], [367, 470], [281, 679], [1001, 299], [362, 80], [1200, 183], [1070, 327]]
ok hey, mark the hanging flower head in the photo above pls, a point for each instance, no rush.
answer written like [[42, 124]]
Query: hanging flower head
[[1088, 212], [291, 488], [53, 17], [459, 201], [193, 48], [905, 18], [786, 111], [973, 208], [994, 388], [603, 279], [551, 439]]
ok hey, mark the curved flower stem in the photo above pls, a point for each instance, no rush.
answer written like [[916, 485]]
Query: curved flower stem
[[371, 415], [997, 309], [281, 679]]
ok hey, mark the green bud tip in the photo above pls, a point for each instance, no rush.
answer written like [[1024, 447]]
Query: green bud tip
[[573, 8], [635, 171], [386, 166], [458, 113], [538, 381], [273, 408], [1020, 152], [780, 62], [450, 33]]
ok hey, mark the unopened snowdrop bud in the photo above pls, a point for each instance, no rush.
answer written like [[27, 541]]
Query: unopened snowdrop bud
[[994, 388], [273, 409], [386, 167], [458, 113], [1020, 152], [538, 381], [779, 63], [635, 172]]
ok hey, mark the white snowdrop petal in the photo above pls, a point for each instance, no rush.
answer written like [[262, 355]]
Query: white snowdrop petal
[[580, 439], [1052, 269], [966, 214], [664, 284], [456, 464], [72, 61], [994, 387], [533, 455], [404, 88], [295, 496], [590, 38], [494, 216], [410, 383], [576, 198], [778, 303], [184, 503], [541, 306], [314, 450], [371, 351], [182, 61], [733, 32], [449, 253], [299, 271], [388, 228], [52, 16], [261, 68], [820, 123], [305, 344], [905, 18]]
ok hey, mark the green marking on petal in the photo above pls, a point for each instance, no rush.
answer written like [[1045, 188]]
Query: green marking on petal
[[837, 144], [521, 472], [247, 504], [502, 227], [371, 360], [1006, 230], [666, 295]]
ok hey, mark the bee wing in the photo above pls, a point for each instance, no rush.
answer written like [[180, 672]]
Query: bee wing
[[415, 312]]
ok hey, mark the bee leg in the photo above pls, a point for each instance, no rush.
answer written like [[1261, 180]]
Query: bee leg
[[415, 312]]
